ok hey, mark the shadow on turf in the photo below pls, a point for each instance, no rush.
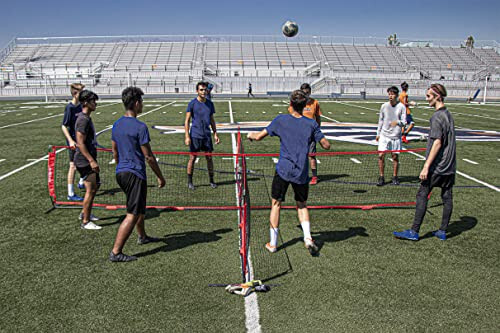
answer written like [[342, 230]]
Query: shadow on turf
[[455, 228], [323, 237], [150, 213], [184, 239]]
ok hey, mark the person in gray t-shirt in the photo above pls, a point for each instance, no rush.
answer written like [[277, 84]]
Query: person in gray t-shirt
[[440, 165]]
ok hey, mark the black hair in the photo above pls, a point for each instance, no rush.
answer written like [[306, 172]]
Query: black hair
[[393, 89], [130, 96], [305, 86], [87, 96], [201, 83], [404, 86], [298, 100]]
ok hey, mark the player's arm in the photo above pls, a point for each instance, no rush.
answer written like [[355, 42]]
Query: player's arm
[[325, 144], [114, 148], [153, 164], [318, 115], [257, 136], [214, 129], [436, 146], [80, 143], [187, 121], [380, 122], [65, 130]]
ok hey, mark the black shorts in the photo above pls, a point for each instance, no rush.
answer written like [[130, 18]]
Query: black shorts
[[87, 171], [279, 187], [442, 181], [71, 153], [135, 189], [198, 145]]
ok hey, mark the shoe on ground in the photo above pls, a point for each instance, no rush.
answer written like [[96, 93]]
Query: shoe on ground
[[314, 180], [395, 180], [120, 257], [213, 185], [408, 234], [440, 234], [93, 218], [75, 198], [81, 186], [190, 186], [271, 248], [311, 246], [90, 226], [381, 181], [147, 240], [404, 139]]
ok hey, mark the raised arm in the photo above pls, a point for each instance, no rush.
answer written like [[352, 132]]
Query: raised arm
[[153, 164]]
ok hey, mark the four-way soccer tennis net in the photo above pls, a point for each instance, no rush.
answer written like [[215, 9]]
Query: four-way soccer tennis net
[[347, 180]]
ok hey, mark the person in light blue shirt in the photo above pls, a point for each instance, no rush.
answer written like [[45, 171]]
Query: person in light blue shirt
[[200, 115], [296, 133]]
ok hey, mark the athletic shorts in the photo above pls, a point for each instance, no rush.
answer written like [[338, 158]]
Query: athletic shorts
[[136, 191], [71, 153], [442, 181], [389, 144], [198, 145], [87, 171], [279, 187], [312, 148], [409, 119]]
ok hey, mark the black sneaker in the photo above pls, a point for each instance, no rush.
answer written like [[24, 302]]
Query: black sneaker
[[190, 186], [395, 181], [381, 181], [213, 185], [120, 257], [147, 239]]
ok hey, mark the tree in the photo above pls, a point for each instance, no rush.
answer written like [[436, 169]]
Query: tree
[[392, 40], [469, 42]]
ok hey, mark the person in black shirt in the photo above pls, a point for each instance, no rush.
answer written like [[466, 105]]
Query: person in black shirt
[[440, 165], [86, 156]]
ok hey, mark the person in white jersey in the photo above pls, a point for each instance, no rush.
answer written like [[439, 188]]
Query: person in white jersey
[[391, 119]]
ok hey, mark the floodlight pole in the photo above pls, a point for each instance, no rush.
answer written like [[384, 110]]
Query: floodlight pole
[[46, 93], [485, 88]]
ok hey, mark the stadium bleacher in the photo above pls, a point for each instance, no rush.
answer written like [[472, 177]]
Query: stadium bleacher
[[175, 64]]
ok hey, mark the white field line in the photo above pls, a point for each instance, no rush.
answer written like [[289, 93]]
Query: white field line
[[331, 119], [357, 106], [355, 161], [494, 188], [252, 315], [474, 115], [31, 121], [469, 161], [27, 166], [482, 108], [3, 159], [59, 150]]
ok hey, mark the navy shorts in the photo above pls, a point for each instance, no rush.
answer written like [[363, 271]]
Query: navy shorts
[[198, 145], [136, 190], [280, 186], [87, 171], [409, 119]]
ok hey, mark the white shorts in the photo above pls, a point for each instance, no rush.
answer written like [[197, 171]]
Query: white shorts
[[389, 144]]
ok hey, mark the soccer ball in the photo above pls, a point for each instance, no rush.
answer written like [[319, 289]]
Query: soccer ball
[[290, 29]]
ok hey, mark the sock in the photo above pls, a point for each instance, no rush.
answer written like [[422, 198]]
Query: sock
[[306, 228], [80, 181], [274, 236], [211, 178], [190, 179], [71, 190], [315, 172]]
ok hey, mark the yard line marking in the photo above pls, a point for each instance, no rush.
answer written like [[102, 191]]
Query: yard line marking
[[335, 121], [357, 106], [31, 121], [346, 112], [26, 166], [114, 112], [475, 115], [252, 315], [494, 188], [356, 161], [469, 161], [3, 159]]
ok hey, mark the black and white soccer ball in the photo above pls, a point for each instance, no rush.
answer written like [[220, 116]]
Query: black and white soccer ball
[[290, 29]]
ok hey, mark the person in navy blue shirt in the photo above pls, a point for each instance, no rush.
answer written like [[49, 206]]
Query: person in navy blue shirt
[[131, 149], [296, 133], [68, 127], [201, 111]]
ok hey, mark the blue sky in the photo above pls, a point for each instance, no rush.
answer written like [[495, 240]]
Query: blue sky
[[416, 19]]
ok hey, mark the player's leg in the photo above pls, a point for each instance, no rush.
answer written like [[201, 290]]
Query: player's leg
[[278, 192], [122, 235], [395, 165], [90, 182], [313, 163], [208, 147], [447, 197], [71, 178], [301, 192], [381, 165]]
